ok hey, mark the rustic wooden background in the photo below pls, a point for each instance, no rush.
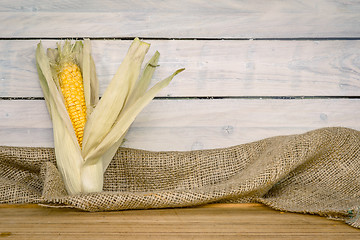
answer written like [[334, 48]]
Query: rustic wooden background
[[254, 69]]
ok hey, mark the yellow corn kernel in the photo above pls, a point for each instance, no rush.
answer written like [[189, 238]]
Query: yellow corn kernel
[[72, 88]]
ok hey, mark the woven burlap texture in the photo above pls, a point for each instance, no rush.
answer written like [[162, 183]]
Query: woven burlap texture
[[316, 172]]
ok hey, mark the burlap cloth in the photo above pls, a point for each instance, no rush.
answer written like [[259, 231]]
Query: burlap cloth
[[317, 172]]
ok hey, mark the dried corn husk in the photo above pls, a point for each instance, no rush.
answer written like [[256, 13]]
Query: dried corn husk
[[108, 118]]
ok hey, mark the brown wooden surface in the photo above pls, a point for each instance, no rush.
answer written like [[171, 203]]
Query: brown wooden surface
[[216, 221]]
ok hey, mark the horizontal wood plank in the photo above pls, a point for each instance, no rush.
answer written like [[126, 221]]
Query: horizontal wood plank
[[213, 68], [193, 124], [234, 221], [180, 19]]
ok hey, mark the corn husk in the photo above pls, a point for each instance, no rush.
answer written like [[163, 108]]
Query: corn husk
[[108, 119]]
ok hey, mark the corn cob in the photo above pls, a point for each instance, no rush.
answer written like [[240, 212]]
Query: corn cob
[[72, 88], [71, 94]]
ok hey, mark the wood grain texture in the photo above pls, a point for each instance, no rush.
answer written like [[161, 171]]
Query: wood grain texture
[[213, 68], [180, 19], [271, 48], [248, 221], [193, 124]]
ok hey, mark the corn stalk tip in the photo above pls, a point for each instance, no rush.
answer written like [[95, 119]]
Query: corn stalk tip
[[179, 71]]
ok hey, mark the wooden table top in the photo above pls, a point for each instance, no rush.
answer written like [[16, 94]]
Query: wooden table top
[[214, 221]]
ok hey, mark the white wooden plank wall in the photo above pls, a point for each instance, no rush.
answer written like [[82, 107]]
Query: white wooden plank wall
[[254, 69], [180, 19]]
